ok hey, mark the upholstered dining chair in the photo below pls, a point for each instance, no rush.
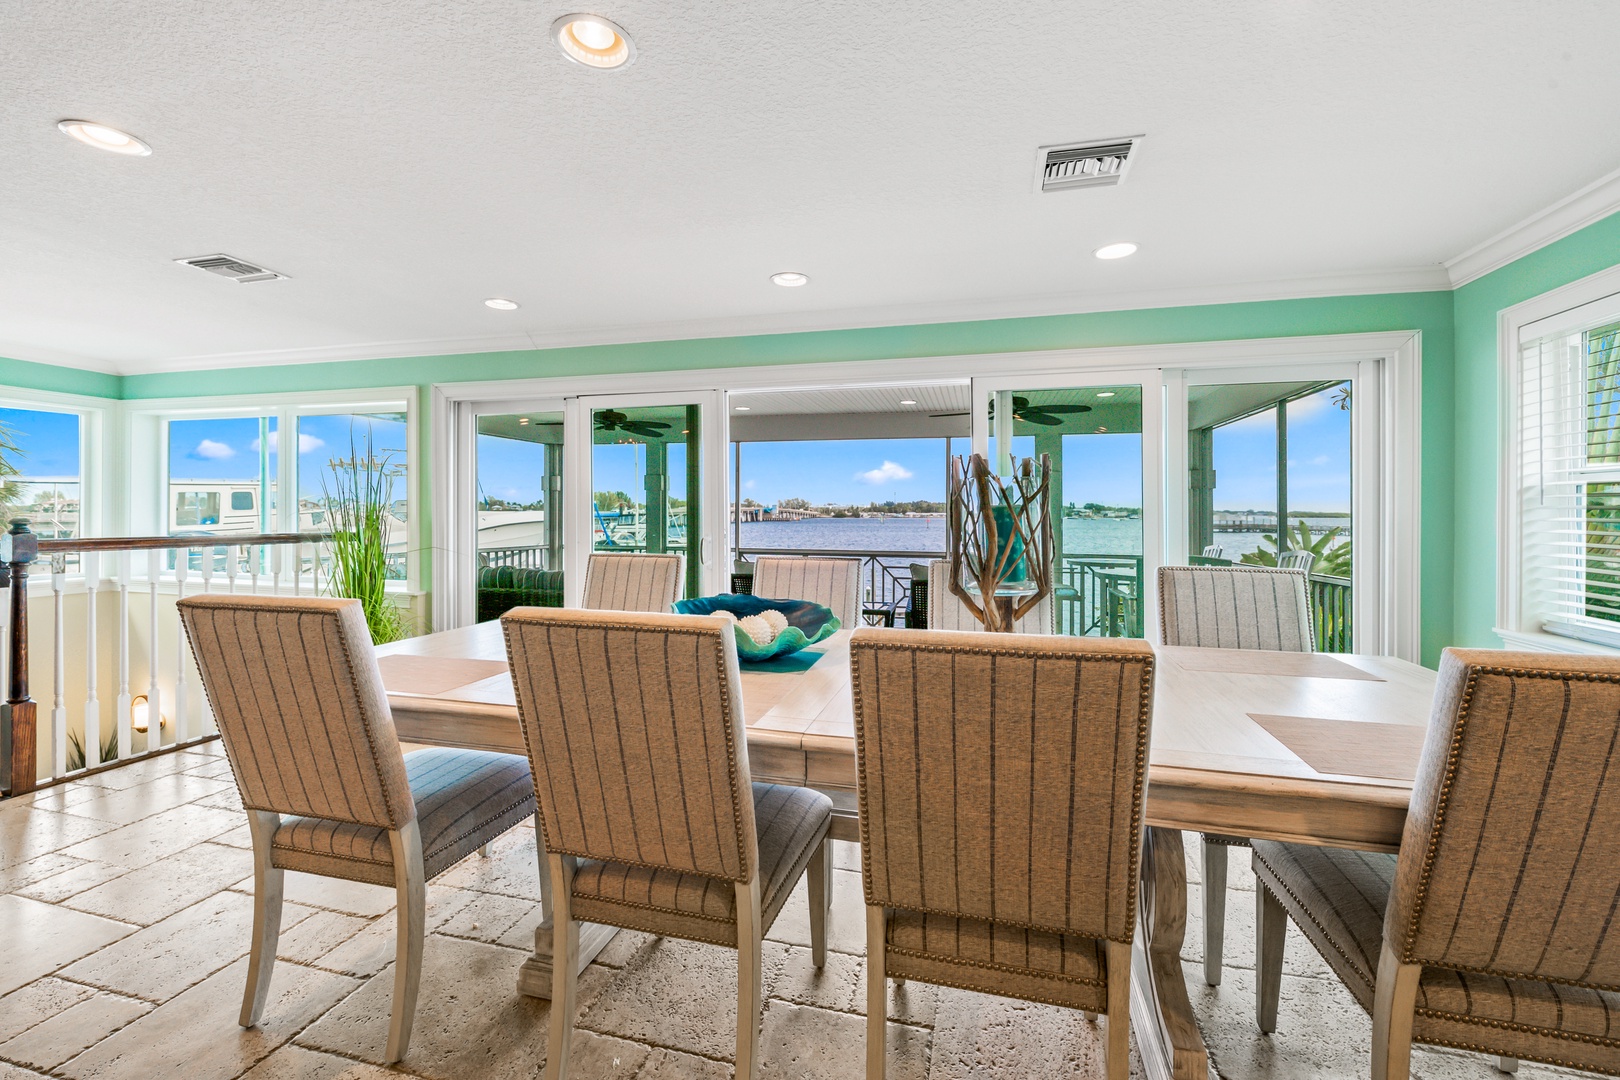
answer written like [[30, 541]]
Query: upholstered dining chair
[[1493, 929], [632, 581], [1000, 780], [947, 612], [304, 718], [1231, 607], [635, 732], [831, 582]]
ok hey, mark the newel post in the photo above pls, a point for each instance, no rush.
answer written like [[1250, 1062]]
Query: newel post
[[18, 766]]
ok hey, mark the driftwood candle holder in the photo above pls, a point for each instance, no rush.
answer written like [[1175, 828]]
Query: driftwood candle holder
[[999, 533]]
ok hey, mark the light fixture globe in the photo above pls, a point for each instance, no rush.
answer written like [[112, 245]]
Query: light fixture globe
[[593, 41], [103, 137]]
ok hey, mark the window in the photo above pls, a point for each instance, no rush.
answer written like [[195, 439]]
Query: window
[[373, 448], [1568, 456], [221, 472], [43, 484]]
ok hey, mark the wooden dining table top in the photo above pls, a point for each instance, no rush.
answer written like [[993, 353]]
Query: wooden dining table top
[[1308, 747]]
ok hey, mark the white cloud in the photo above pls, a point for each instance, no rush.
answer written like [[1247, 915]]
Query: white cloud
[[885, 473], [306, 443], [213, 451]]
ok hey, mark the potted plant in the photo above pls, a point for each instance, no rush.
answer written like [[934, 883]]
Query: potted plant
[[358, 495]]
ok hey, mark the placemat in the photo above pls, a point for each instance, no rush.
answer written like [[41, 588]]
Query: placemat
[[1299, 665], [433, 674], [1349, 747]]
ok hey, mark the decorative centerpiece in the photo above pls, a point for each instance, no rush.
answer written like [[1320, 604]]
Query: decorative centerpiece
[[999, 534], [766, 629]]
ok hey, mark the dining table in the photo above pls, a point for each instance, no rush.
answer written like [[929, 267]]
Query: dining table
[[1312, 748]]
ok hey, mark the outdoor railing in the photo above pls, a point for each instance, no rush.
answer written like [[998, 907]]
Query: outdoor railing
[[138, 570], [1330, 611], [1100, 595], [885, 575], [519, 558]]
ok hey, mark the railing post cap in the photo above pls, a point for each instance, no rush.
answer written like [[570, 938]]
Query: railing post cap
[[19, 525]]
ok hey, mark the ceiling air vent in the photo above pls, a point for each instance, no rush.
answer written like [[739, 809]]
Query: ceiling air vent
[[1089, 164], [228, 267]]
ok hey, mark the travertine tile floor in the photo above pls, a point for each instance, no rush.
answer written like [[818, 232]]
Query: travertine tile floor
[[124, 911]]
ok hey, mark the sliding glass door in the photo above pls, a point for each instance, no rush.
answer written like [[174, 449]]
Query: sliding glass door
[[651, 478], [1102, 438]]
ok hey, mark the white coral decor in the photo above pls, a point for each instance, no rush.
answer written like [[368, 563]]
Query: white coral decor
[[757, 628], [778, 621]]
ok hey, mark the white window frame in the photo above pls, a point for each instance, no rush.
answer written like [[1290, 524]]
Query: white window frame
[[1398, 355], [1577, 304], [146, 425], [99, 512]]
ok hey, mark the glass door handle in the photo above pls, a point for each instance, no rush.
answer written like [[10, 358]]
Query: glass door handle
[[705, 551]]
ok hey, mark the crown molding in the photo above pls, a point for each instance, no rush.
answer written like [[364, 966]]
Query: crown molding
[[1594, 202], [1417, 279], [57, 358]]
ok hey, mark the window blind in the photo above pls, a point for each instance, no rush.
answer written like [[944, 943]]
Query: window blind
[[1569, 461]]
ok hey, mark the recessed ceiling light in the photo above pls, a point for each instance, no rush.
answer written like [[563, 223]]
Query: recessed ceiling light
[[1105, 393], [907, 401], [791, 279], [741, 408], [593, 41], [1115, 251], [523, 419], [501, 303], [103, 137]]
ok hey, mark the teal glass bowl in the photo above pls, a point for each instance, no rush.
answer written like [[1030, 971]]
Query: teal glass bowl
[[808, 622]]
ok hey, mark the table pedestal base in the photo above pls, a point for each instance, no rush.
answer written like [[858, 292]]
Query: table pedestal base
[[1167, 1036], [534, 977]]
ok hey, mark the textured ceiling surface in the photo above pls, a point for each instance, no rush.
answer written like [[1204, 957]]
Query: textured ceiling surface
[[402, 160]]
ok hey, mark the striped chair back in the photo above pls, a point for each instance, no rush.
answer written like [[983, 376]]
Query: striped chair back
[[1235, 607], [947, 612], [1001, 777], [1297, 559], [635, 734], [301, 708], [633, 582], [1507, 861], [832, 583]]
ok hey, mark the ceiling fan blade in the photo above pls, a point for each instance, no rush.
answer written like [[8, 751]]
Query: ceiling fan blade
[[644, 430], [937, 415], [1035, 416], [1062, 409]]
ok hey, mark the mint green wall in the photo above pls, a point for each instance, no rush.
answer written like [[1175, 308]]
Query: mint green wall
[[1429, 312], [1475, 308], [62, 380]]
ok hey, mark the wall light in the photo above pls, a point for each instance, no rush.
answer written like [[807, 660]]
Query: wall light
[[140, 714]]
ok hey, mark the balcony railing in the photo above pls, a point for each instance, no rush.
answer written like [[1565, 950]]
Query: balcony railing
[[1331, 612], [155, 709]]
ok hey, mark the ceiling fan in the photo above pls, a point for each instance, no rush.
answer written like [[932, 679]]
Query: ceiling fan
[[1048, 415], [612, 420]]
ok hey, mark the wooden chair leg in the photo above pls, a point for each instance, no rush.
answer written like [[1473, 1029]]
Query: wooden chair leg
[[564, 961], [545, 869], [1117, 1047], [1507, 1064], [410, 916], [820, 877], [268, 888], [1393, 1002], [749, 964], [1214, 910], [483, 851], [877, 994], [1271, 935]]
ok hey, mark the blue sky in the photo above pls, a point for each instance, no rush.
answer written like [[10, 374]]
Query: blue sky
[[229, 449], [1318, 459], [49, 441]]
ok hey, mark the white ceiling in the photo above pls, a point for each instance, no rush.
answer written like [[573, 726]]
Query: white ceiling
[[403, 160]]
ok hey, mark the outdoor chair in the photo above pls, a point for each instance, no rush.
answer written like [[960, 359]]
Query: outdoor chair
[[946, 611], [304, 718], [1493, 928], [1296, 560], [635, 731], [625, 581], [1019, 880], [1231, 607], [833, 583]]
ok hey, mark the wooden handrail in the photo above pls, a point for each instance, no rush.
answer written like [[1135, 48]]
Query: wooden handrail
[[148, 543], [20, 548]]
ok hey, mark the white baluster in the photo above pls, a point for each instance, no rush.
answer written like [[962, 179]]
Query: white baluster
[[233, 557], [315, 567], [154, 697], [90, 563], [126, 740], [209, 555], [58, 671], [182, 702], [276, 560], [255, 553]]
